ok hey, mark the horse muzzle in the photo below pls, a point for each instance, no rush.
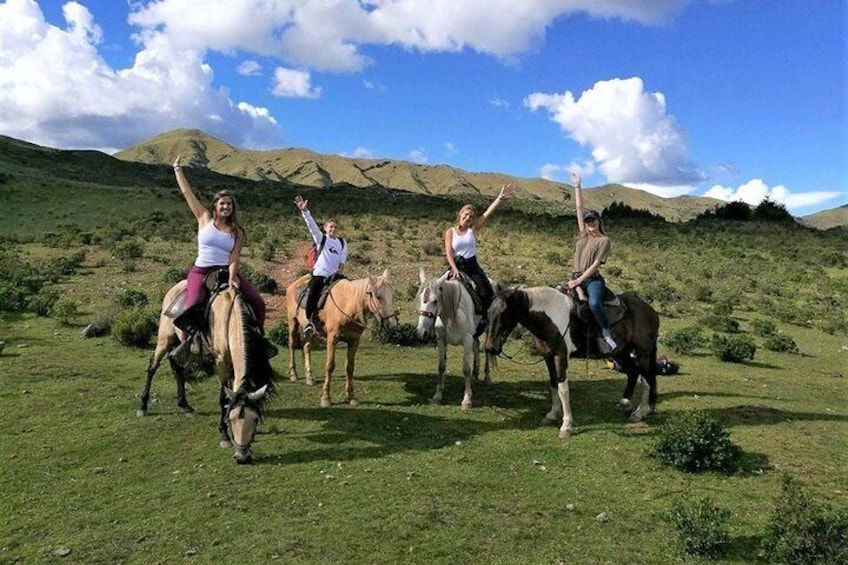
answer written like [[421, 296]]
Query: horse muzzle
[[243, 455]]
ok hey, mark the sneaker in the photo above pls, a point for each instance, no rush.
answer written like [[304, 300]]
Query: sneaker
[[609, 341], [308, 330]]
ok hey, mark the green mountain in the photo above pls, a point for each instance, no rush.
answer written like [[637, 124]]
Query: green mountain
[[827, 219], [307, 168]]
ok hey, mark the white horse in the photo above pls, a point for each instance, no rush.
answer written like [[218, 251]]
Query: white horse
[[446, 308]]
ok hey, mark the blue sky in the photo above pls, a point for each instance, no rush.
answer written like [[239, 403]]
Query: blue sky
[[736, 99]]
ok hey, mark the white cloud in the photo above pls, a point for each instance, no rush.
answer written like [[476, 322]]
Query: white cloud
[[418, 156], [291, 83], [562, 173], [631, 137], [361, 153], [756, 190], [56, 90], [499, 103], [249, 68], [450, 147]]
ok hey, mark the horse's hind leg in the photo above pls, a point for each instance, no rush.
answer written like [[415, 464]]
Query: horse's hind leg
[[180, 375], [468, 352]]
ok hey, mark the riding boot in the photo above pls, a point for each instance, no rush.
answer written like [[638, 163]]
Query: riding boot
[[192, 319]]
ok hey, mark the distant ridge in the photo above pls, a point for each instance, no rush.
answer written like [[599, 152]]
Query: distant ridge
[[305, 167], [827, 219]]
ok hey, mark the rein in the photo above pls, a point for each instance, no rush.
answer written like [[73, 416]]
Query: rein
[[369, 304]]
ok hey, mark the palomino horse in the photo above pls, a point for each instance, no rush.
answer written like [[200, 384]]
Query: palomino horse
[[446, 308], [548, 315], [345, 316], [242, 366]]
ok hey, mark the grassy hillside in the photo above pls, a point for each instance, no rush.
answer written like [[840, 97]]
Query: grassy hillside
[[828, 219], [407, 482], [304, 167]]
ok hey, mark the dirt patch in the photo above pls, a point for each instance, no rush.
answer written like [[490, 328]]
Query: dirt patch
[[285, 270]]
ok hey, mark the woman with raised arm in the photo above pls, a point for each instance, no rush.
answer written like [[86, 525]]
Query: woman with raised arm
[[590, 253], [329, 261], [461, 248], [220, 238]]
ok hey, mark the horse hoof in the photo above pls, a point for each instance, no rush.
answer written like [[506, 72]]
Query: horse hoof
[[325, 402], [292, 378], [186, 409], [634, 419], [466, 406], [546, 421], [435, 400], [310, 381], [225, 444], [353, 402], [141, 413], [565, 434]]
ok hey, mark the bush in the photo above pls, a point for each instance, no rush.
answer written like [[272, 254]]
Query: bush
[[684, 341], [694, 442], [174, 275], [133, 327], [702, 527], [781, 343], [263, 283], [433, 249], [132, 298], [402, 334], [734, 349], [720, 323], [41, 304], [128, 250], [763, 328], [804, 531], [64, 310], [279, 334]]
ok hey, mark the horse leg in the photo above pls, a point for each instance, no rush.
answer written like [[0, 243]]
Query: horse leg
[[468, 351], [224, 442], [352, 346], [180, 375], [162, 346], [475, 371], [329, 367], [442, 346], [307, 361], [292, 346], [552, 417]]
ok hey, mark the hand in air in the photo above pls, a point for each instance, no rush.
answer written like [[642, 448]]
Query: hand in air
[[506, 190], [302, 205], [177, 161], [576, 178]]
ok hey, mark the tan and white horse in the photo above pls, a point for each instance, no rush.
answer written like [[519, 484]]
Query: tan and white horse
[[243, 370], [446, 308], [344, 316]]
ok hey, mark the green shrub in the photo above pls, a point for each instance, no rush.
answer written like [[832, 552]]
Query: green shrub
[[781, 343], [733, 349], [702, 527], [402, 334], [174, 275], [64, 310], [432, 248], [802, 530], [279, 334], [41, 303], [133, 327], [763, 328], [128, 250], [684, 341], [694, 442], [132, 298], [720, 323], [263, 283], [268, 252]]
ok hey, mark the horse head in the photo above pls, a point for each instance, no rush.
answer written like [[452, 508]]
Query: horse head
[[502, 320], [380, 299], [427, 305], [244, 413]]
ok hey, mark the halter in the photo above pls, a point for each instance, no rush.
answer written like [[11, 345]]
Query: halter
[[375, 311], [247, 403]]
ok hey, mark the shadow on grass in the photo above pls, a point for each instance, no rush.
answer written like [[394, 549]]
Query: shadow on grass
[[744, 549]]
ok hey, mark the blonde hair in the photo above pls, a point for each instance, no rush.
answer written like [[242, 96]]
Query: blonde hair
[[232, 220], [463, 209]]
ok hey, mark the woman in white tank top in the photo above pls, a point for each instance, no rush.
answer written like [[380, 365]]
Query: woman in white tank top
[[461, 246]]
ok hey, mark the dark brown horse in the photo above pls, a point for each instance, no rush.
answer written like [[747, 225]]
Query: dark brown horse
[[550, 316]]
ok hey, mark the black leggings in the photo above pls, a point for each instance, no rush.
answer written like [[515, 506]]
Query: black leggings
[[316, 285], [484, 288]]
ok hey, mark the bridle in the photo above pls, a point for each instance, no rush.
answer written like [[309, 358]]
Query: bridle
[[376, 310]]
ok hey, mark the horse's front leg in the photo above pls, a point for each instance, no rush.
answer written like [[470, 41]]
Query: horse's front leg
[[307, 361], [352, 346], [224, 441], [560, 393], [292, 345], [329, 367], [468, 352], [442, 346]]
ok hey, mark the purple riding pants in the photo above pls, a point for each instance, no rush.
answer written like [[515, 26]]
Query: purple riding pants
[[196, 292]]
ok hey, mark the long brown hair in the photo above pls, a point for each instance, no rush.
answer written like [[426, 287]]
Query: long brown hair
[[232, 220]]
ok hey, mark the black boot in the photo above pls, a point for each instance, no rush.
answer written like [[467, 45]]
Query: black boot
[[192, 319]]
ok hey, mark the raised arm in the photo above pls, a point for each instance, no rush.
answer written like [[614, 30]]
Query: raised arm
[[303, 206], [199, 210], [505, 191], [576, 180]]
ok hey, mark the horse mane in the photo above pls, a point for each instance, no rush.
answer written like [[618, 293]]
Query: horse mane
[[451, 297], [257, 367]]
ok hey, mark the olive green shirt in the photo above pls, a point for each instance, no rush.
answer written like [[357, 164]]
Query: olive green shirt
[[589, 249]]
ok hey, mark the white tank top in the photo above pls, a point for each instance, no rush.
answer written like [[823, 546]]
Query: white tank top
[[213, 246], [464, 245]]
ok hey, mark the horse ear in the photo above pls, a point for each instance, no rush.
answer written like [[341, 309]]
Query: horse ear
[[421, 276], [230, 394], [385, 274], [444, 277], [257, 394]]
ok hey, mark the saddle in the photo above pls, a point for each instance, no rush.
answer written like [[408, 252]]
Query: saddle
[[322, 300], [584, 329]]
